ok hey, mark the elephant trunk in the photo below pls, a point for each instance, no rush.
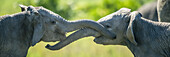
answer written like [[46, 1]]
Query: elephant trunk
[[73, 37], [73, 25]]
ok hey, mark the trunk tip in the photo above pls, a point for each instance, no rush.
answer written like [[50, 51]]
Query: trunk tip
[[51, 47]]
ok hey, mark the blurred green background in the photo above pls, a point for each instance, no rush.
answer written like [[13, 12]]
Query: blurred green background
[[76, 10]]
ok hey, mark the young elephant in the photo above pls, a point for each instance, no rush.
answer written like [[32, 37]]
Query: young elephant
[[145, 38], [163, 8], [21, 30], [149, 11]]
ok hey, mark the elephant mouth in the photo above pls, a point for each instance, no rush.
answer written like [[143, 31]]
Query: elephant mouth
[[98, 40], [101, 40], [60, 32]]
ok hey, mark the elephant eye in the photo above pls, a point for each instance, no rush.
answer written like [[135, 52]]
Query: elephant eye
[[107, 26], [53, 22]]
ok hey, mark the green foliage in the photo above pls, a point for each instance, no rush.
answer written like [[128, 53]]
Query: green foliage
[[76, 10]]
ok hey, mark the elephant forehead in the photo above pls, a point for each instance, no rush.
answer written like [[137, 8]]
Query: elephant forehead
[[112, 17], [47, 13]]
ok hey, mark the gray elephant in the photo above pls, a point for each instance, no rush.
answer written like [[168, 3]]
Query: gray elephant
[[156, 11], [149, 11], [145, 38], [34, 24], [163, 8]]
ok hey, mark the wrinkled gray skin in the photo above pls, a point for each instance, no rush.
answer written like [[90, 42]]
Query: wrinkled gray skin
[[149, 11], [163, 7], [145, 38], [73, 37], [21, 30]]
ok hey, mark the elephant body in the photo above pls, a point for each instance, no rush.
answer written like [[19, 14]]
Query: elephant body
[[149, 11], [144, 38], [156, 11], [163, 10], [15, 35], [153, 39]]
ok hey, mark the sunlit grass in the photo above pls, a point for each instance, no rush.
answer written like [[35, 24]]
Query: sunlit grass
[[82, 48]]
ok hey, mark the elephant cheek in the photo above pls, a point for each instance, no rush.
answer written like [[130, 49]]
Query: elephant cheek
[[62, 38]]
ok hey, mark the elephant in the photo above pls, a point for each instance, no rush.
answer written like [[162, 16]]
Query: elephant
[[163, 9], [156, 11], [149, 11], [144, 38], [22, 30]]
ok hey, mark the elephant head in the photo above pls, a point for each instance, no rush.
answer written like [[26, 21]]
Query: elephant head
[[163, 9], [122, 24], [119, 24], [50, 27]]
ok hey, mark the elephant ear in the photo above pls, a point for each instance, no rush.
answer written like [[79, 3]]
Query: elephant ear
[[124, 10], [34, 17], [38, 33], [130, 30], [23, 7]]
